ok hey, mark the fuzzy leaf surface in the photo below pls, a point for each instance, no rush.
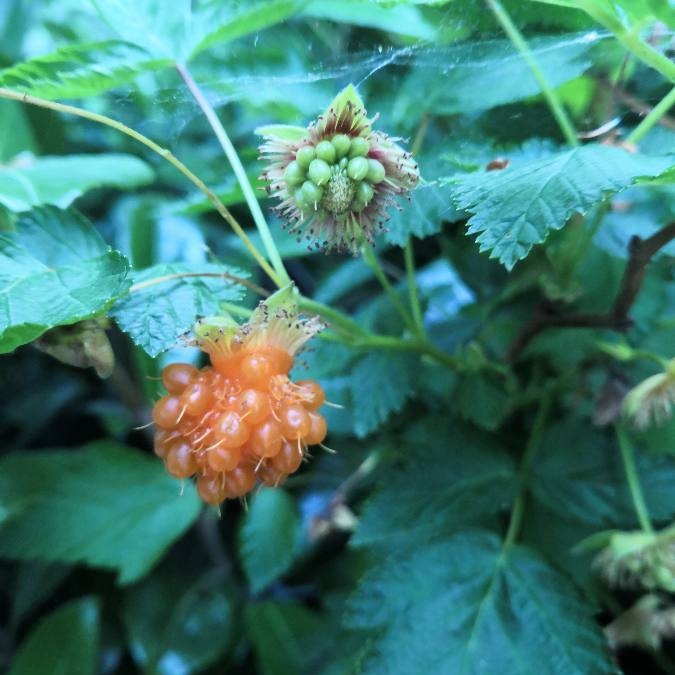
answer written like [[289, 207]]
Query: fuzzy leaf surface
[[184, 32], [589, 484], [54, 269], [79, 70], [449, 476], [157, 314], [514, 209], [381, 383], [106, 506], [468, 607]]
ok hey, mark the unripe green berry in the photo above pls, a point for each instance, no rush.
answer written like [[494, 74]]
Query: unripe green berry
[[364, 193], [326, 151], [294, 175], [300, 200], [319, 172], [357, 206], [357, 168], [305, 155], [359, 147], [376, 172], [311, 193], [342, 144], [343, 163]]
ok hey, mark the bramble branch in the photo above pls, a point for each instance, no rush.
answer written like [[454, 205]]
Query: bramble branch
[[641, 251]]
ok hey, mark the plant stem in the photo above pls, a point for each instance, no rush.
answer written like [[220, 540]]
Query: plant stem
[[371, 260], [375, 341], [162, 152], [183, 275], [521, 45], [409, 253], [616, 318], [240, 173], [412, 288], [630, 39], [533, 442], [654, 117], [633, 481], [336, 319], [358, 338]]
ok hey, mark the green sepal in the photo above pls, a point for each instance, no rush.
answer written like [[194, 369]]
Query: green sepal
[[222, 323], [284, 132], [595, 541], [621, 351], [349, 96], [283, 301]]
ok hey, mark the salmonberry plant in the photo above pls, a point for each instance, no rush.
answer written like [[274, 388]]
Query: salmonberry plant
[[337, 337]]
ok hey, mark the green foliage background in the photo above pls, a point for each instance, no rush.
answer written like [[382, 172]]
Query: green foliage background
[[479, 354]]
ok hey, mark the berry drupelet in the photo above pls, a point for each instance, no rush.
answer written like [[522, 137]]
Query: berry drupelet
[[241, 420]]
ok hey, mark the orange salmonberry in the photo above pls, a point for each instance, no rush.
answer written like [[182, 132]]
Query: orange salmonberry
[[241, 420]]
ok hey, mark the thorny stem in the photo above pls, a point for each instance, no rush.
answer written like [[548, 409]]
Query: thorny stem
[[240, 173], [141, 285], [521, 45], [533, 443], [371, 260], [654, 117], [633, 481], [162, 152], [641, 252]]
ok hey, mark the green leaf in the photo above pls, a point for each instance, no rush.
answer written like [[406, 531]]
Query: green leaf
[[61, 180], [381, 383], [589, 484], [182, 33], [637, 12], [482, 399], [16, 134], [79, 70], [64, 642], [106, 506], [422, 215], [35, 582], [478, 75], [269, 538], [449, 477], [400, 20], [287, 638], [155, 315], [468, 606], [54, 270], [515, 209], [235, 20], [183, 631]]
